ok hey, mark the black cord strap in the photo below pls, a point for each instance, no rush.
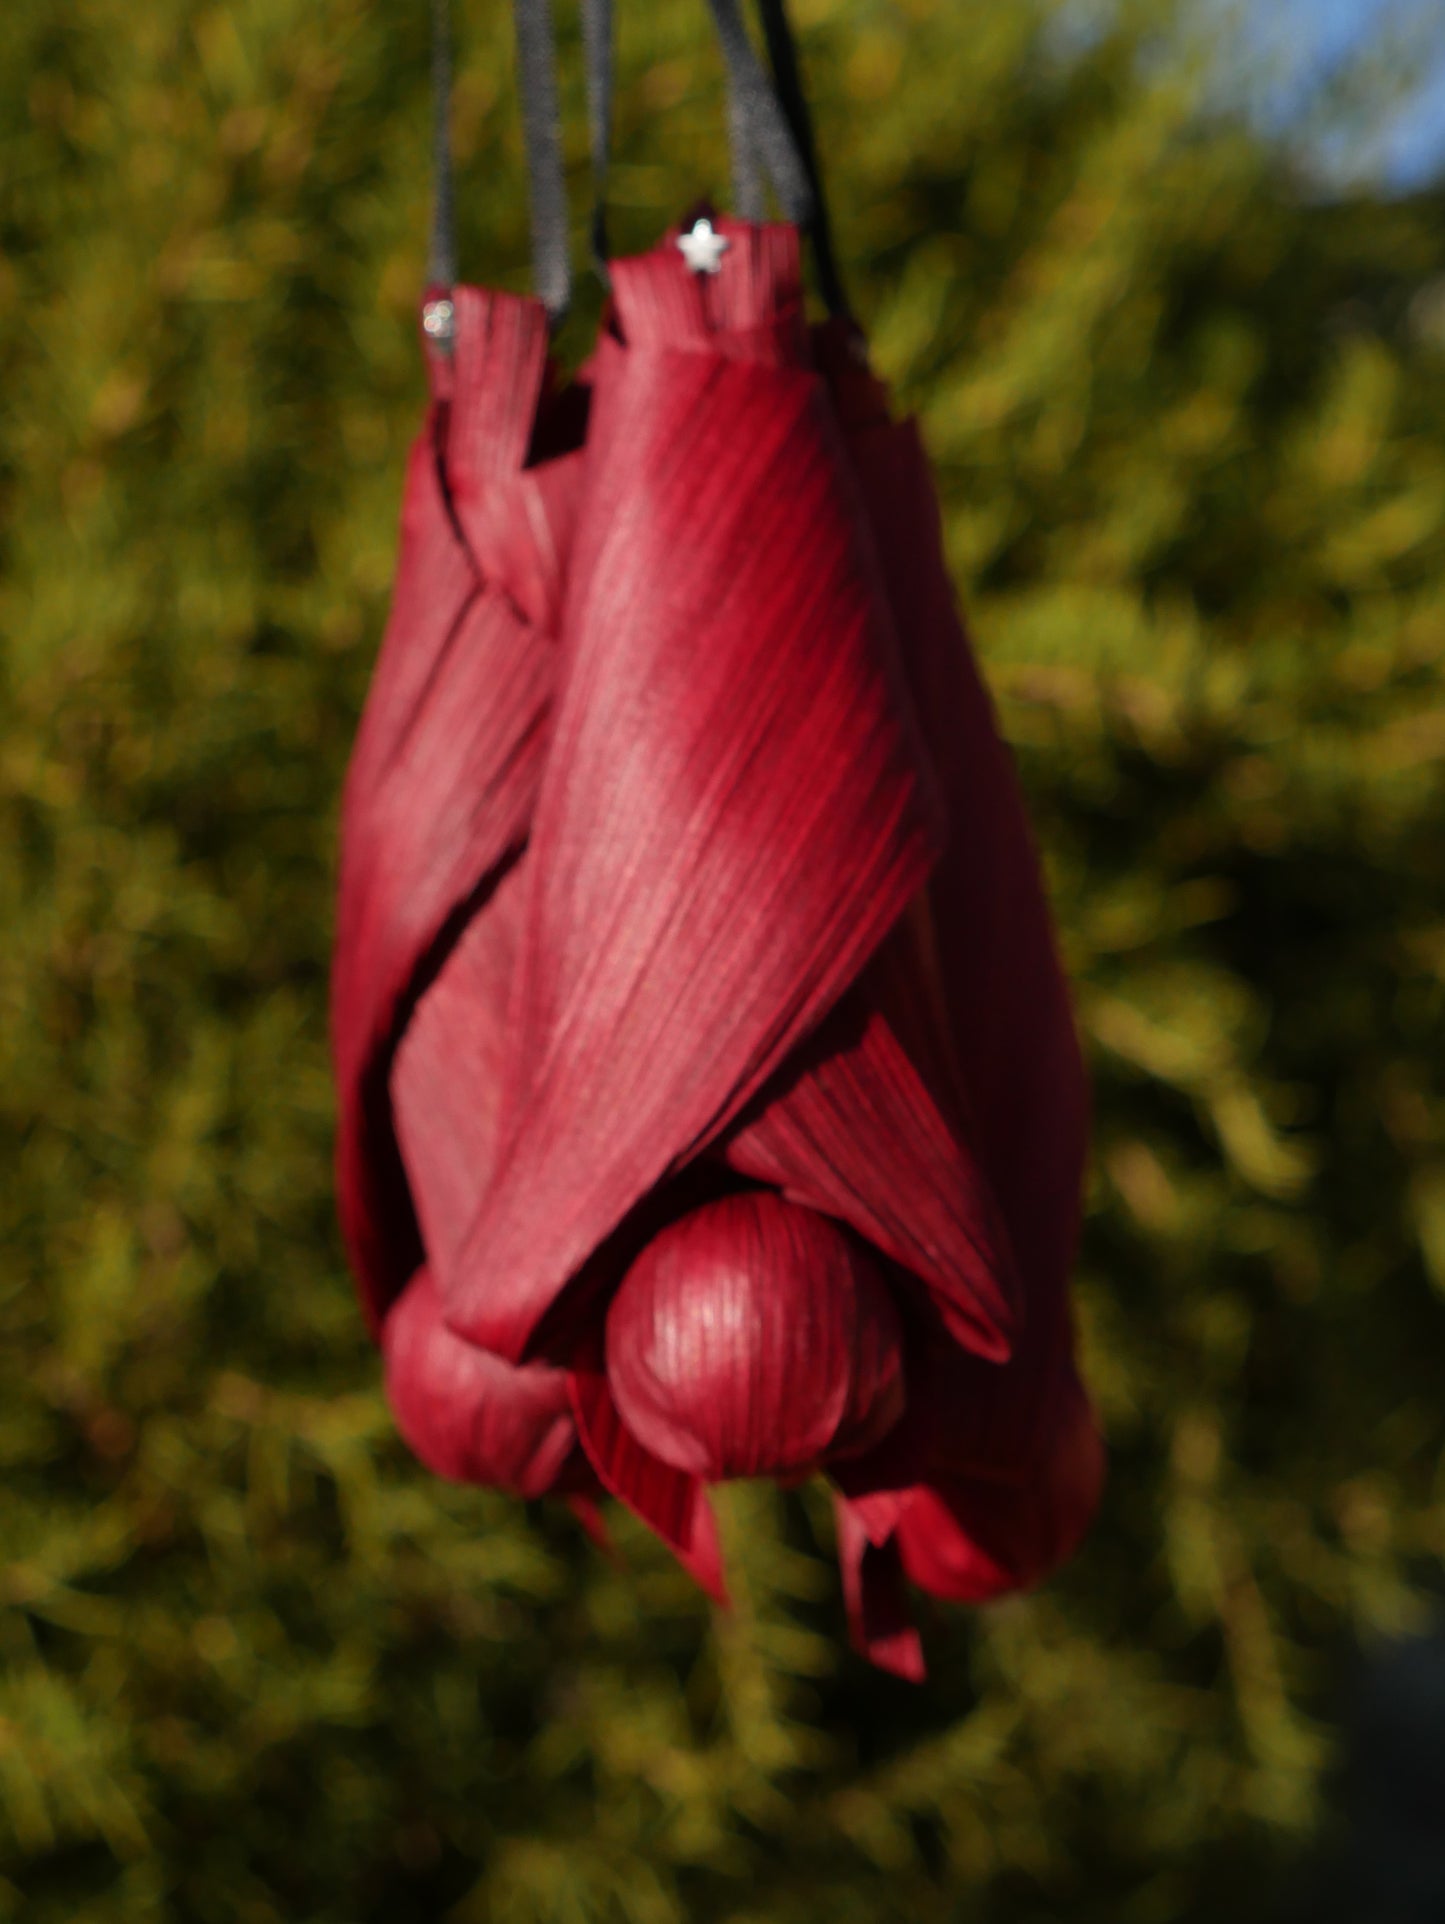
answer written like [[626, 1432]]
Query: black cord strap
[[542, 129], [770, 129], [788, 79], [442, 256], [769, 135], [597, 52], [749, 198], [747, 175]]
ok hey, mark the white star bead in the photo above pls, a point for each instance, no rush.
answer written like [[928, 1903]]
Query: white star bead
[[703, 247]]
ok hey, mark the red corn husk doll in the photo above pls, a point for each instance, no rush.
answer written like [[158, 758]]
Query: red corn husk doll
[[711, 1105]]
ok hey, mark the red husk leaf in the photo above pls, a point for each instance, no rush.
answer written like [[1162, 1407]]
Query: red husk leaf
[[670, 1503], [448, 754], [967, 1417], [725, 936], [876, 1596], [751, 1338], [470, 1416], [587, 1513], [1007, 999], [446, 1077], [735, 810], [856, 1128], [435, 591], [514, 460], [969, 1539], [994, 1473]]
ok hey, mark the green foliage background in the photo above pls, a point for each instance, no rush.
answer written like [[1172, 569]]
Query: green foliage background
[[256, 1668]]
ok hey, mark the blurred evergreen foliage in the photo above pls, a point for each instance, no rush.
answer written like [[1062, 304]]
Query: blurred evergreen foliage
[[257, 1668]]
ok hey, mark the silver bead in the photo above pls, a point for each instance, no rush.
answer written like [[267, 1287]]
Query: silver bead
[[438, 320]]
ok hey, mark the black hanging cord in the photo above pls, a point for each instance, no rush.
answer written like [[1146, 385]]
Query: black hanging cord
[[442, 257], [787, 77], [749, 199], [767, 126], [747, 175], [542, 128], [769, 134], [597, 51]]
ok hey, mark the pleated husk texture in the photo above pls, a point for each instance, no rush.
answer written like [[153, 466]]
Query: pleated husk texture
[[710, 1102]]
